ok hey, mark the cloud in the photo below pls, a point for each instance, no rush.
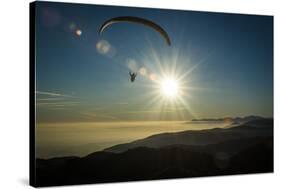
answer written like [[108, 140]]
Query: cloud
[[52, 94], [94, 115], [54, 100], [49, 99], [122, 103], [155, 111], [99, 108], [66, 103], [149, 111]]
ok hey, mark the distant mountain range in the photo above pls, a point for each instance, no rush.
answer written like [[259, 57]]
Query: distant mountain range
[[232, 119], [247, 148]]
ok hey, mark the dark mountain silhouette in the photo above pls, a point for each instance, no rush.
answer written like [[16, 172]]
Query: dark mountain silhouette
[[242, 155], [260, 127]]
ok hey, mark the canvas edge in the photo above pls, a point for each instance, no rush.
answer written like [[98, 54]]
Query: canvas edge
[[32, 170]]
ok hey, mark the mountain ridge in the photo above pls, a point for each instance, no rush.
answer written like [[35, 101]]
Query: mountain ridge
[[201, 137]]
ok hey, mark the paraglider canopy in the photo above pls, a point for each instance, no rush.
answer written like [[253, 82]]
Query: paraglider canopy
[[137, 20]]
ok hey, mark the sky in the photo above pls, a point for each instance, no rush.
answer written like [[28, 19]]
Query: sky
[[223, 64]]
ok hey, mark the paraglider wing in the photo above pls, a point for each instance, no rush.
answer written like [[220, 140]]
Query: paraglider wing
[[137, 20]]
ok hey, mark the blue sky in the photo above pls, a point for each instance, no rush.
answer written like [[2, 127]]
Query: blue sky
[[232, 56]]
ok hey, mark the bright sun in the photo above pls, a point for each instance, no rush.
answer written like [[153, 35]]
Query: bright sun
[[169, 87]]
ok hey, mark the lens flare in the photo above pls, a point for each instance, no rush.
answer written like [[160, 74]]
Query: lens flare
[[78, 32], [152, 77], [132, 65], [72, 26], [142, 71], [103, 46]]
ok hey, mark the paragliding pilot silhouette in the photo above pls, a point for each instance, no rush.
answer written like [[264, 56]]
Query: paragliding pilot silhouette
[[133, 76]]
